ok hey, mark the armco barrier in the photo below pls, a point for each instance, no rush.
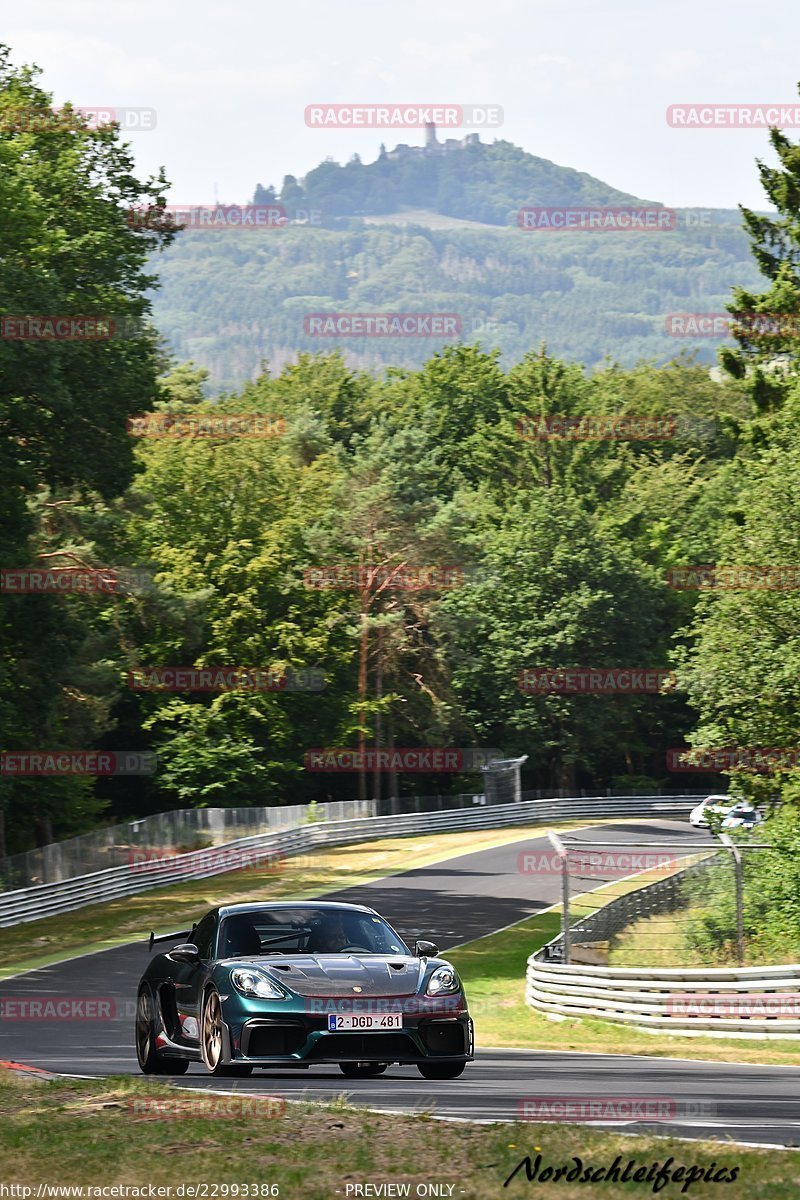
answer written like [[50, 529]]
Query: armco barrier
[[646, 999], [668, 1000], [33, 903]]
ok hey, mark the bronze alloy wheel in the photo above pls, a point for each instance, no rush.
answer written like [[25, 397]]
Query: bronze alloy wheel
[[211, 1039]]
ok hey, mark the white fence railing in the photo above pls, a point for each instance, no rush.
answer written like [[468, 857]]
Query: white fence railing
[[33, 903], [754, 1001]]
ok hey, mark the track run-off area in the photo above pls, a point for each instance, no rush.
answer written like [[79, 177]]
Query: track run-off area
[[451, 903]]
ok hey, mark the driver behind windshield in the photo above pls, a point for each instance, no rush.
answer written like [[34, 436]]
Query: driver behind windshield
[[330, 937]]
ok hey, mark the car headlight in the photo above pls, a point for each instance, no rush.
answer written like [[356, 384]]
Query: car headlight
[[442, 981], [257, 984]]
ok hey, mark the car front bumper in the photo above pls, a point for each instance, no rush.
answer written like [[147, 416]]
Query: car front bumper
[[272, 1040]]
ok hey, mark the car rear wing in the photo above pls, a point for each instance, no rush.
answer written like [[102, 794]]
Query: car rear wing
[[168, 937]]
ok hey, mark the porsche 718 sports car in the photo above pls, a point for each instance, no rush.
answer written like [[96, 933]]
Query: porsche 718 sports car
[[296, 985]]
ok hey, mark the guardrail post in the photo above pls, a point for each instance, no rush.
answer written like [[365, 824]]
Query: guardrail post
[[737, 869], [561, 850]]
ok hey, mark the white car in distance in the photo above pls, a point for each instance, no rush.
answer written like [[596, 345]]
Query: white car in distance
[[718, 806], [743, 816]]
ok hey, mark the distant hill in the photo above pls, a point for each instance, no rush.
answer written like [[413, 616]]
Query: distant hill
[[467, 179], [437, 232]]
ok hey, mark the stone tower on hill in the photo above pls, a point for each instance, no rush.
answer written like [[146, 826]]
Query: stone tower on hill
[[433, 146]]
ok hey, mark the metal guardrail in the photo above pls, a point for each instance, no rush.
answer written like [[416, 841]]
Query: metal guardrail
[[685, 1001], [33, 903], [675, 1001]]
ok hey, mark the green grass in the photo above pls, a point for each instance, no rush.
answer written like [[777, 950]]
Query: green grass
[[75, 1132], [659, 941]]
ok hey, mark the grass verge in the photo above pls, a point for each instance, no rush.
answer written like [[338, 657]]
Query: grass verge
[[95, 1133]]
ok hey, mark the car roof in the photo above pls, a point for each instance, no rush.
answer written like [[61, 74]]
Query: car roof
[[269, 906]]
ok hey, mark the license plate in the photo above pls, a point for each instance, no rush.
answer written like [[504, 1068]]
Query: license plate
[[364, 1021]]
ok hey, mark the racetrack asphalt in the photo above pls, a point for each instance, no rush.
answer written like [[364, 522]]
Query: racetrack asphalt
[[450, 902]]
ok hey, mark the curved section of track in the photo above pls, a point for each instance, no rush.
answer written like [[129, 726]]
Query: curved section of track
[[451, 902]]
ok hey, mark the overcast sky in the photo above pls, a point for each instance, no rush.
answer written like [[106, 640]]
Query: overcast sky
[[585, 83]]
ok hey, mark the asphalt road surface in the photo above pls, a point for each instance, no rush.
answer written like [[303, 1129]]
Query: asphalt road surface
[[450, 903]]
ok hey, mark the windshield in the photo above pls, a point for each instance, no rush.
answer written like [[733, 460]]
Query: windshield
[[304, 929]]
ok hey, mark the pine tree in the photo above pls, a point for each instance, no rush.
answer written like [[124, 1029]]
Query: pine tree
[[768, 344]]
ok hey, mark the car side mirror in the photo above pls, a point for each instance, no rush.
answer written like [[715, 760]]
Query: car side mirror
[[187, 953], [425, 950]]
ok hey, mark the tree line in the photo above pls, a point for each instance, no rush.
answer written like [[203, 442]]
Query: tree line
[[552, 552]]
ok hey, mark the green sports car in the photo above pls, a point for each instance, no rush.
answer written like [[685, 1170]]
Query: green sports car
[[300, 985]]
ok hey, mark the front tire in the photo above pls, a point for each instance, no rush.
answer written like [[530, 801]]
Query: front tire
[[211, 1040], [443, 1070], [359, 1070], [151, 1062]]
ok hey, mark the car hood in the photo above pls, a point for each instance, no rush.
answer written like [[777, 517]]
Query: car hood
[[340, 974]]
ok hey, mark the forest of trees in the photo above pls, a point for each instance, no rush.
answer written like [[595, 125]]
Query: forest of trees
[[564, 546], [232, 300]]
